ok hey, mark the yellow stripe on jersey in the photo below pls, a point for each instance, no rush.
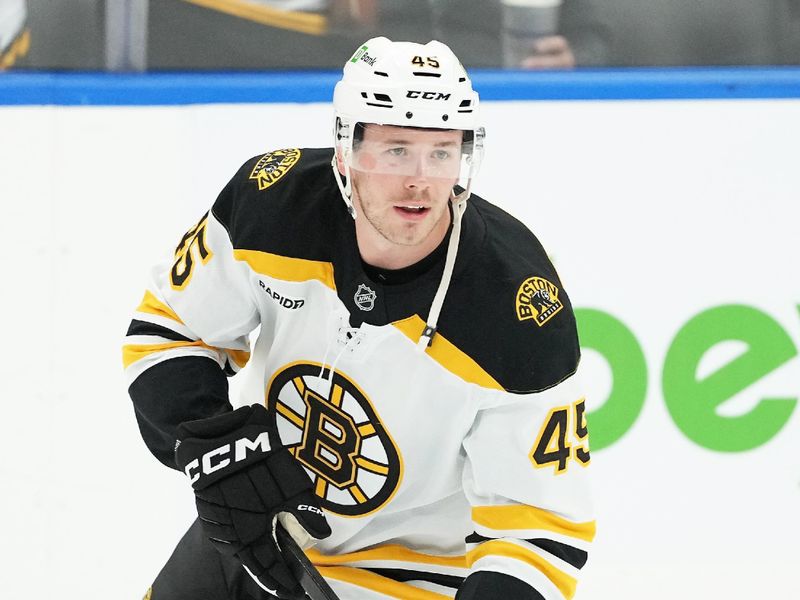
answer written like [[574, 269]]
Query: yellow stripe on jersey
[[287, 269], [377, 583], [565, 583], [314, 24], [133, 352], [240, 357], [154, 306], [448, 355], [387, 553], [530, 517]]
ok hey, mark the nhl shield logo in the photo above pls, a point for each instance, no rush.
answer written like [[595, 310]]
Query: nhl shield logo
[[365, 297]]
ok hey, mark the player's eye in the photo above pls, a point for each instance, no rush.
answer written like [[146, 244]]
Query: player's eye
[[441, 154], [399, 151]]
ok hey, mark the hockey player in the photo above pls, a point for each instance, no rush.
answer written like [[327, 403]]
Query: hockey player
[[412, 414]]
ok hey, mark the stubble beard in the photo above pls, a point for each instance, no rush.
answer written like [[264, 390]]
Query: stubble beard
[[402, 234]]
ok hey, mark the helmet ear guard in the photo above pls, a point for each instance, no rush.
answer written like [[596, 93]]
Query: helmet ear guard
[[343, 150]]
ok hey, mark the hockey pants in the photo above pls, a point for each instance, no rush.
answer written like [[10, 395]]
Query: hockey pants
[[196, 571]]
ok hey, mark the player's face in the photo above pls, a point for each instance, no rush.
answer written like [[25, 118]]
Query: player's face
[[402, 179]]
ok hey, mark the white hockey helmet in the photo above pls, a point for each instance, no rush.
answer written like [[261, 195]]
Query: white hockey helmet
[[408, 85]]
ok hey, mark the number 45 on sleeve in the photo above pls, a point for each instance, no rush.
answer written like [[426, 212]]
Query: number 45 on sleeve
[[563, 437]]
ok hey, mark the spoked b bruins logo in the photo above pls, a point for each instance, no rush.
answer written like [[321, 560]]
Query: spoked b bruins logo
[[537, 299], [330, 426]]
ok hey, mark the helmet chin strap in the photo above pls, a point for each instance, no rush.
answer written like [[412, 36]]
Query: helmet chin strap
[[459, 203], [345, 187], [464, 195]]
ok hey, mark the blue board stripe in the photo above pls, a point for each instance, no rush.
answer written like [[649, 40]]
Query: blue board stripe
[[108, 89]]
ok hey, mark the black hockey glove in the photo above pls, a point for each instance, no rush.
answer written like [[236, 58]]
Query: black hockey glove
[[242, 486]]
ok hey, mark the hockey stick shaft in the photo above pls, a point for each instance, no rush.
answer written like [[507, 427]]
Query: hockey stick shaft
[[306, 573]]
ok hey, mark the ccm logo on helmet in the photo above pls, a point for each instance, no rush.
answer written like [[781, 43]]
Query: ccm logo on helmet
[[219, 458], [428, 95]]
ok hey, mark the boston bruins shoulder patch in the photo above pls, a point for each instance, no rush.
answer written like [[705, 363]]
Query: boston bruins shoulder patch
[[537, 299], [271, 167]]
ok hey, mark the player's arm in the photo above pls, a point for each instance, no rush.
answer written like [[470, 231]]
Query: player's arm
[[527, 483], [189, 333], [526, 480]]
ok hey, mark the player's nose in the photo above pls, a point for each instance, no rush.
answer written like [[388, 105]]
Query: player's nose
[[418, 176]]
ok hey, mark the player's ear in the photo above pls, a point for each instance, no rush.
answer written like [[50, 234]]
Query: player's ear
[[339, 161]]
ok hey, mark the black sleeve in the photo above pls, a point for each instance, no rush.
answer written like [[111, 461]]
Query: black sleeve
[[174, 391]]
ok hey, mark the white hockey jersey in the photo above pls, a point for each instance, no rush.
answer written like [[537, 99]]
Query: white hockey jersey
[[470, 456]]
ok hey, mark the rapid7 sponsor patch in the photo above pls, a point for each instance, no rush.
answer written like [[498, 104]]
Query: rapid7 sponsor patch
[[290, 303]]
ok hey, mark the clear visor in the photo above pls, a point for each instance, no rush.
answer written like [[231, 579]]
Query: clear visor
[[410, 152]]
